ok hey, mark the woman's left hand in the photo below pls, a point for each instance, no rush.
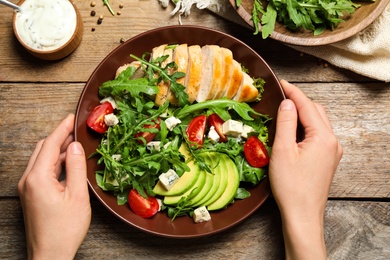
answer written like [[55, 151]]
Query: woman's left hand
[[57, 213]]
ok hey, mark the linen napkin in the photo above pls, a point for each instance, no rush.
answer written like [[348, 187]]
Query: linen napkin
[[366, 53]]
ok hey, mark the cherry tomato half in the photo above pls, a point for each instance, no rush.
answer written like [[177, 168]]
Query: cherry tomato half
[[195, 130], [96, 119], [255, 152], [149, 136], [144, 207], [217, 122]]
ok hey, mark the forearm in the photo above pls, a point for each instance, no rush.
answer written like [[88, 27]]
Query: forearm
[[304, 239]]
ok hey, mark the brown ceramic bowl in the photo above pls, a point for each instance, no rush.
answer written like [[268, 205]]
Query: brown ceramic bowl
[[160, 224], [61, 51], [355, 23]]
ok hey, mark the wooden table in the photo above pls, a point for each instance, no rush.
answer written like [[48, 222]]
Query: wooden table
[[37, 95]]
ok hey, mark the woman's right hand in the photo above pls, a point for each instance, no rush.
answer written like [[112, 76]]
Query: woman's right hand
[[301, 173]]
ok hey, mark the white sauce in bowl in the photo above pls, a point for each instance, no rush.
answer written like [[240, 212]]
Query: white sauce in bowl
[[46, 24]]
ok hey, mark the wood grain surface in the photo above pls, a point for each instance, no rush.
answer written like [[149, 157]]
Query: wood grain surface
[[36, 95]]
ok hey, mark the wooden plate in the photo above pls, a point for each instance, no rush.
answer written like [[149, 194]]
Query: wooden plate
[[354, 23], [160, 224]]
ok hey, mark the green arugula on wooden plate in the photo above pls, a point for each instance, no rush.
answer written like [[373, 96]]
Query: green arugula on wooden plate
[[313, 15]]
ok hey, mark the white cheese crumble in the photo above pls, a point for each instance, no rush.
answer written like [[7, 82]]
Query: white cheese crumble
[[246, 130], [213, 136], [111, 119], [168, 179], [111, 100], [117, 157], [201, 214], [153, 145], [232, 127], [171, 122]]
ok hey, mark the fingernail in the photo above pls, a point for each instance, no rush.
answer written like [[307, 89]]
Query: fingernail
[[287, 104], [77, 149]]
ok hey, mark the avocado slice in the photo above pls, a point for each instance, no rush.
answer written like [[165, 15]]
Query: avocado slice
[[204, 189], [219, 168], [216, 179], [185, 182], [201, 179], [233, 181]]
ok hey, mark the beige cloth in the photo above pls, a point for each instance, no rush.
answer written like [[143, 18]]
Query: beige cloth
[[367, 53]]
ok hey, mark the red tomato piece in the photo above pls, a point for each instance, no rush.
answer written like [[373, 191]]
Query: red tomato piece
[[217, 122], [195, 130], [144, 207], [96, 119], [149, 136], [255, 152]]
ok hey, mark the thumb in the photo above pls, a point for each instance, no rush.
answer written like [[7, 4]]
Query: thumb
[[76, 169], [286, 124]]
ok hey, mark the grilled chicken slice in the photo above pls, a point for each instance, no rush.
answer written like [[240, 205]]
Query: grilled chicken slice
[[227, 63], [194, 70], [247, 91], [212, 71], [158, 51], [136, 64], [180, 57], [163, 87], [235, 80]]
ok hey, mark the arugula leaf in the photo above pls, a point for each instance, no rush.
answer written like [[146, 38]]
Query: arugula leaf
[[182, 208], [248, 173], [268, 21], [124, 86], [219, 105], [242, 194], [257, 10]]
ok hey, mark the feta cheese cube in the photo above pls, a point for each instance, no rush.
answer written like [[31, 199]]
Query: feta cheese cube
[[153, 145], [111, 119], [117, 157], [111, 100], [201, 214], [213, 136], [168, 179], [232, 127], [171, 122], [247, 130]]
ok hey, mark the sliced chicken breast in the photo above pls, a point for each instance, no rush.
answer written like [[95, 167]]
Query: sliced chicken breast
[[135, 64], [212, 72], [227, 64], [163, 87], [180, 57], [247, 92], [235, 80], [158, 51], [194, 70]]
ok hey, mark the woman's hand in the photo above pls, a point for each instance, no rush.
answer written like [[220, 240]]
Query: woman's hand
[[301, 173], [57, 214]]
